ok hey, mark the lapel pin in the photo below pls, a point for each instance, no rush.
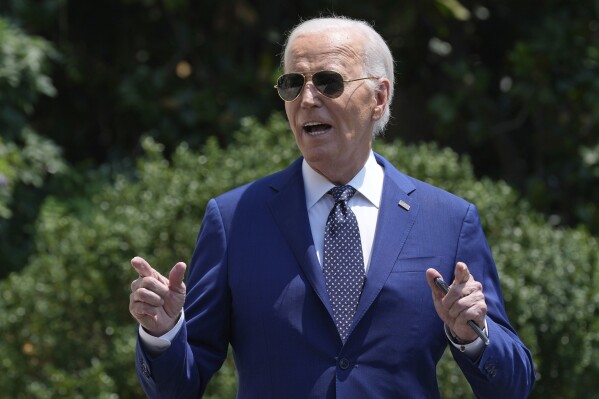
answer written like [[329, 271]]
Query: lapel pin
[[404, 205]]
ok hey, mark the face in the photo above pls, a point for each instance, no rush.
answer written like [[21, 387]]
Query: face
[[334, 134]]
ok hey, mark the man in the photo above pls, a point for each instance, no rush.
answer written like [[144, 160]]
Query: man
[[310, 315]]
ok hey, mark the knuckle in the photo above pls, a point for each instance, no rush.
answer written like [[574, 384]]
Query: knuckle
[[145, 309], [483, 308]]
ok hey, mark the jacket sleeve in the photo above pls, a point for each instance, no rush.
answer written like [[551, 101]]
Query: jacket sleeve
[[505, 368], [200, 348]]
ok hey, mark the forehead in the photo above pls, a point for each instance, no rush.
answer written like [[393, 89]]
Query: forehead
[[329, 49]]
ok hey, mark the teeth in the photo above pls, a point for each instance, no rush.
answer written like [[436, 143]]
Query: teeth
[[309, 124], [316, 128]]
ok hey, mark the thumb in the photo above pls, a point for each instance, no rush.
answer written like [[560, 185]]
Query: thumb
[[176, 276], [462, 274], [431, 275]]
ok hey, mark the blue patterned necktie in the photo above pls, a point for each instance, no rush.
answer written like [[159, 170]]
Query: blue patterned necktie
[[343, 265]]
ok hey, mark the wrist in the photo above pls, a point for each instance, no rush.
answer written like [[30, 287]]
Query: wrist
[[472, 349], [455, 338], [165, 328]]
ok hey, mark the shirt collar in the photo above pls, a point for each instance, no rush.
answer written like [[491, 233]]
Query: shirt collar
[[368, 182]]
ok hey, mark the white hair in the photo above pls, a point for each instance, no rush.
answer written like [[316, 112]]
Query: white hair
[[377, 58]]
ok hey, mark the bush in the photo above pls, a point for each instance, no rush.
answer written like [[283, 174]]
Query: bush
[[26, 159], [64, 320]]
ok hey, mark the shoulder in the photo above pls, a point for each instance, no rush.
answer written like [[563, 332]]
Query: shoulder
[[424, 192], [264, 188]]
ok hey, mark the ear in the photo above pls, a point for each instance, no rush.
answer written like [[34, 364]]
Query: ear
[[381, 97]]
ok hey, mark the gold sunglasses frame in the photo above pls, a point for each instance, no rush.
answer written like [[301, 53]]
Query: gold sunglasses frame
[[310, 74]]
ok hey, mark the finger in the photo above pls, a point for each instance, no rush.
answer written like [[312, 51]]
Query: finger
[[136, 284], [147, 296], [143, 268], [462, 274], [141, 311], [176, 276], [466, 305], [155, 286], [476, 312]]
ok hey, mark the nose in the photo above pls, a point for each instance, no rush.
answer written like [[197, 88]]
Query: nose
[[309, 97]]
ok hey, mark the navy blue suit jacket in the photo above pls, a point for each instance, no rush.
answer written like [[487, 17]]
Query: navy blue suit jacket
[[255, 282]]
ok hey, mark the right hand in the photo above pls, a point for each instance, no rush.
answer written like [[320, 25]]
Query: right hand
[[155, 301]]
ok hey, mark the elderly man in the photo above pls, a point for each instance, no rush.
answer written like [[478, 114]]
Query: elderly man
[[320, 276]]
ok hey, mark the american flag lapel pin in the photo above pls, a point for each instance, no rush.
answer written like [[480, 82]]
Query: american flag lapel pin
[[404, 205]]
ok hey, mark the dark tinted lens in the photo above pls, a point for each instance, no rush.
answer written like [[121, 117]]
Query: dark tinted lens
[[328, 83], [290, 85]]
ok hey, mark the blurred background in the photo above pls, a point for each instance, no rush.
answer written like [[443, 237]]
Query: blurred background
[[119, 119]]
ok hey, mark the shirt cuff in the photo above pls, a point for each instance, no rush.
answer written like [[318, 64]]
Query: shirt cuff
[[157, 345], [472, 349]]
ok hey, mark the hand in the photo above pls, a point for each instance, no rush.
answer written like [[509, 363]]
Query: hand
[[464, 301], [155, 301]]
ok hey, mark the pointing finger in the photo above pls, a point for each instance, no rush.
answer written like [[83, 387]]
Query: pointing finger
[[176, 276], [143, 268], [462, 274]]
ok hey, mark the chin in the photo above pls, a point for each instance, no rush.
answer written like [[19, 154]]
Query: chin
[[317, 153]]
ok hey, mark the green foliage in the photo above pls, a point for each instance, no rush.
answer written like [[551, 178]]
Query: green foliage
[[27, 160], [510, 83], [24, 156], [23, 76], [520, 95], [27, 163], [65, 327], [164, 69]]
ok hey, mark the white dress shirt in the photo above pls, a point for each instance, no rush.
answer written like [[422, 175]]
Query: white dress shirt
[[365, 203]]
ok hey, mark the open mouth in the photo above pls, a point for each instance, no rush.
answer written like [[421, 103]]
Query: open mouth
[[315, 129]]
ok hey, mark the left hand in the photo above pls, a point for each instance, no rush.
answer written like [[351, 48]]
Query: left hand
[[464, 301]]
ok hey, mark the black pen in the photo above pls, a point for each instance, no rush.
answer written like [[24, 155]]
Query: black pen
[[445, 288]]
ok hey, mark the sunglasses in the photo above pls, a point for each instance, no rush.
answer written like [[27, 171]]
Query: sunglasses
[[329, 83]]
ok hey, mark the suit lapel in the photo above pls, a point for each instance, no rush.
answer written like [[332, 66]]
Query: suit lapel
[[396, 217], [397, 214], [288, 207]]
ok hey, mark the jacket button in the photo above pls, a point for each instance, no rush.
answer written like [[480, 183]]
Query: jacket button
[[145, 370], [490, 369], [343, 363]]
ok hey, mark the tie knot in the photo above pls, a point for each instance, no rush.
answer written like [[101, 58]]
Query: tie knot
[[342, 193]]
